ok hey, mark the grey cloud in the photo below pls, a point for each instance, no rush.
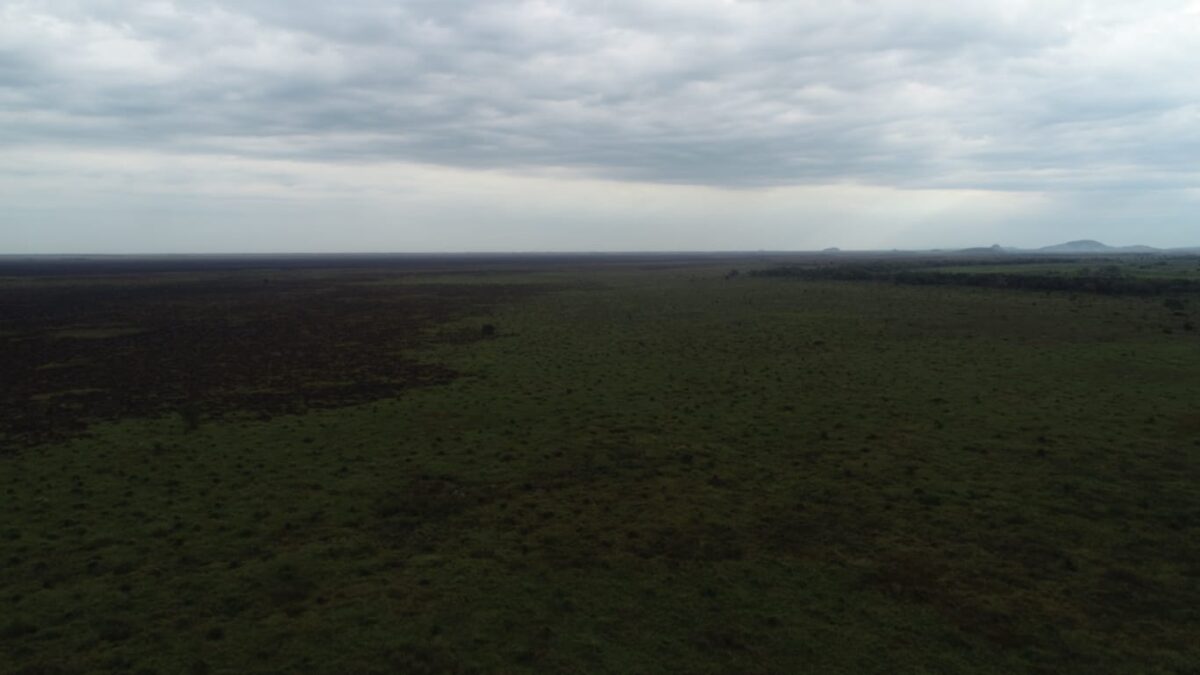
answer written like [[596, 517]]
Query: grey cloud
[[731, 94]]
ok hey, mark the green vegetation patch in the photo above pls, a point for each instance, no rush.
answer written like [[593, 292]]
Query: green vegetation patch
[[95, 332], [657, 470], [1115, 275]]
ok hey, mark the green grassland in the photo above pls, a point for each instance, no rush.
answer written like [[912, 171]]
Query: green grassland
[[655, 470]]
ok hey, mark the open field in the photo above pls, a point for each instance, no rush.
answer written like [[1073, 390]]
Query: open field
[[653, 465]]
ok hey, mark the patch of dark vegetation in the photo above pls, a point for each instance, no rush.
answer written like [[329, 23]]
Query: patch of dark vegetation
[[287, 585], [421, 501], [17, 629], [704, 543], [114, 630], [421, 659], [424, 497], [80, 350], [1106, 279], [922, 579]]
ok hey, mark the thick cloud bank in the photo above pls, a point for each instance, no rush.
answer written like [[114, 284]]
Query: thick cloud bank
[[990, 95]]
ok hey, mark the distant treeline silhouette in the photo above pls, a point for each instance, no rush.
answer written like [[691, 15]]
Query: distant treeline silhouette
[[1107, 279]]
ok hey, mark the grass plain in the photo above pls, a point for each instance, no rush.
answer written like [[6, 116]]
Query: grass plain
[[650, 467]]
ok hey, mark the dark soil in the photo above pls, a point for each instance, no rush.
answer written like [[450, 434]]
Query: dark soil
[[80, 350]]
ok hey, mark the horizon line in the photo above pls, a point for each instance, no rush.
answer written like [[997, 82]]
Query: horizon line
[[830, 249]]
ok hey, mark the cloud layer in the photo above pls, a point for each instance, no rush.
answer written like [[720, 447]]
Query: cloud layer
[[985, 96]]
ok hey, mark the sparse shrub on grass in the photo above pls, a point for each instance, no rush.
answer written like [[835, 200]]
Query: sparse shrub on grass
[[114, 630], [190, 415], [286, 584], [377, 548], [17, 629]]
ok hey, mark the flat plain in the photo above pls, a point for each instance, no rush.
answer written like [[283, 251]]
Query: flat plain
[[649, 465]]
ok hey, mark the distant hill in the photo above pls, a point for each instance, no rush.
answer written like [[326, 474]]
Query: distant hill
[[1093, 246], [1080, 247], [1077, 247], [994, 249]]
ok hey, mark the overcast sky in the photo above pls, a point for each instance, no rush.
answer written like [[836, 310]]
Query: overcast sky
[[372, 125]]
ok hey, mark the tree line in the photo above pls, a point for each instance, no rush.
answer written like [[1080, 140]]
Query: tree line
[[1108, 280]]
